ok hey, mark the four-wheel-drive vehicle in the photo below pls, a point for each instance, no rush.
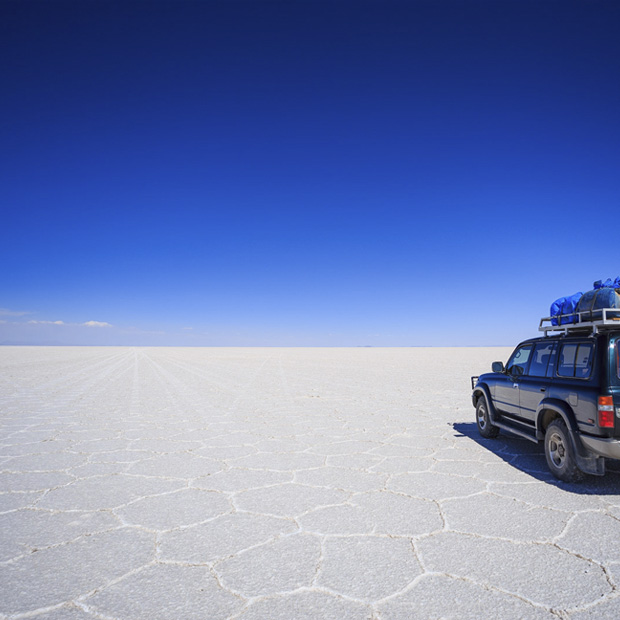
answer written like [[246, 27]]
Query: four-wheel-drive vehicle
[[562, 388]]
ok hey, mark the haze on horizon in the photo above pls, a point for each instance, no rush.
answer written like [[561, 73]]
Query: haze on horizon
[[425, 173]]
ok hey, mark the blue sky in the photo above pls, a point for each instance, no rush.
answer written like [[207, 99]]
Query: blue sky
[[304, 173]]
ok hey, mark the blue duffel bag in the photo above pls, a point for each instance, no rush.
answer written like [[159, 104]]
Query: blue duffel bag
[[563, 310]]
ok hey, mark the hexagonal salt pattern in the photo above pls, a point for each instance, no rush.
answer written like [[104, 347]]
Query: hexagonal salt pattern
[[283, 483]]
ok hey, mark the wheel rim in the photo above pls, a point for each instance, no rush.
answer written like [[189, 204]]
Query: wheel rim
[[557, 450], [482, 420]]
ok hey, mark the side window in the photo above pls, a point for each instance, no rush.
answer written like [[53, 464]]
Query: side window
[[540, 359], [576, 360], [583, 360], [566, 366], [517, 364]]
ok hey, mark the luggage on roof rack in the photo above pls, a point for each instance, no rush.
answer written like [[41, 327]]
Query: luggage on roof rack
[[586, 312]]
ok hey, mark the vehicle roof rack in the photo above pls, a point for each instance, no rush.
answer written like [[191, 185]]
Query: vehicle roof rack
[[590, 322]]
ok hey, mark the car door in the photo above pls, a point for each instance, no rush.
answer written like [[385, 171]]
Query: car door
[[506, 398], [533, 385]]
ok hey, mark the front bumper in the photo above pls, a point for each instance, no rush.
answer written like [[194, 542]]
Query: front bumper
[[603, 446]]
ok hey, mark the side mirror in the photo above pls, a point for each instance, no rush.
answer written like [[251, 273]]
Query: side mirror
[[515, 371], [497, 366]]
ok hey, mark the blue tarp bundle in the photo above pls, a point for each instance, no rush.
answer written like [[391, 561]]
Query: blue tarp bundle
[[609, 283], [563, 310]]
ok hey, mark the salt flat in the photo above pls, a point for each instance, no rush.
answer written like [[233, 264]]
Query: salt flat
[[283, 483]]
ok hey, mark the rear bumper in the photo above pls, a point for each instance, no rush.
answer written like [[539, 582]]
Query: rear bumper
[[603, 446]]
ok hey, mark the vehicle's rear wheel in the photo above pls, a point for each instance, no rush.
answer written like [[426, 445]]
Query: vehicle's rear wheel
[[560, 454], [486, 429]]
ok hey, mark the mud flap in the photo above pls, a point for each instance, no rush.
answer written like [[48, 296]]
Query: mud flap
[[591, 464], [587, 462]]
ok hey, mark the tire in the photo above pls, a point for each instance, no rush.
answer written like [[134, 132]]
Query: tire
[[483, 420], [560, 454]]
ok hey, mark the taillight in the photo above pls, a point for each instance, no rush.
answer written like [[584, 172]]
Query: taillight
[[606, 411]]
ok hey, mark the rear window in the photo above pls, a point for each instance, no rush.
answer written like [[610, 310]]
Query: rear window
[[576, 360]]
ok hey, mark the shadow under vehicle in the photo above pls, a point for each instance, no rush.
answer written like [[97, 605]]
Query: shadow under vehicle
[[529, 458]]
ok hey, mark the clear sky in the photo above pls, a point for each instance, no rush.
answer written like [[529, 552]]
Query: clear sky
[[304, 173]]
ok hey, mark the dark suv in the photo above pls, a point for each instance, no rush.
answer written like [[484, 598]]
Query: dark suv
[[563, 389]]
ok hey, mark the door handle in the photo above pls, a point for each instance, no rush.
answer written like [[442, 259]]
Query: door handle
[[543, 389]]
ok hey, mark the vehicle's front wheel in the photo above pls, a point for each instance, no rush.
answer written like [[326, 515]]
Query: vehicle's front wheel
[[560, 454], [483, 420]]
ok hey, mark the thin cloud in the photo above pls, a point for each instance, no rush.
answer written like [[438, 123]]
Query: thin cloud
[[7, 312], [86, 324]]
